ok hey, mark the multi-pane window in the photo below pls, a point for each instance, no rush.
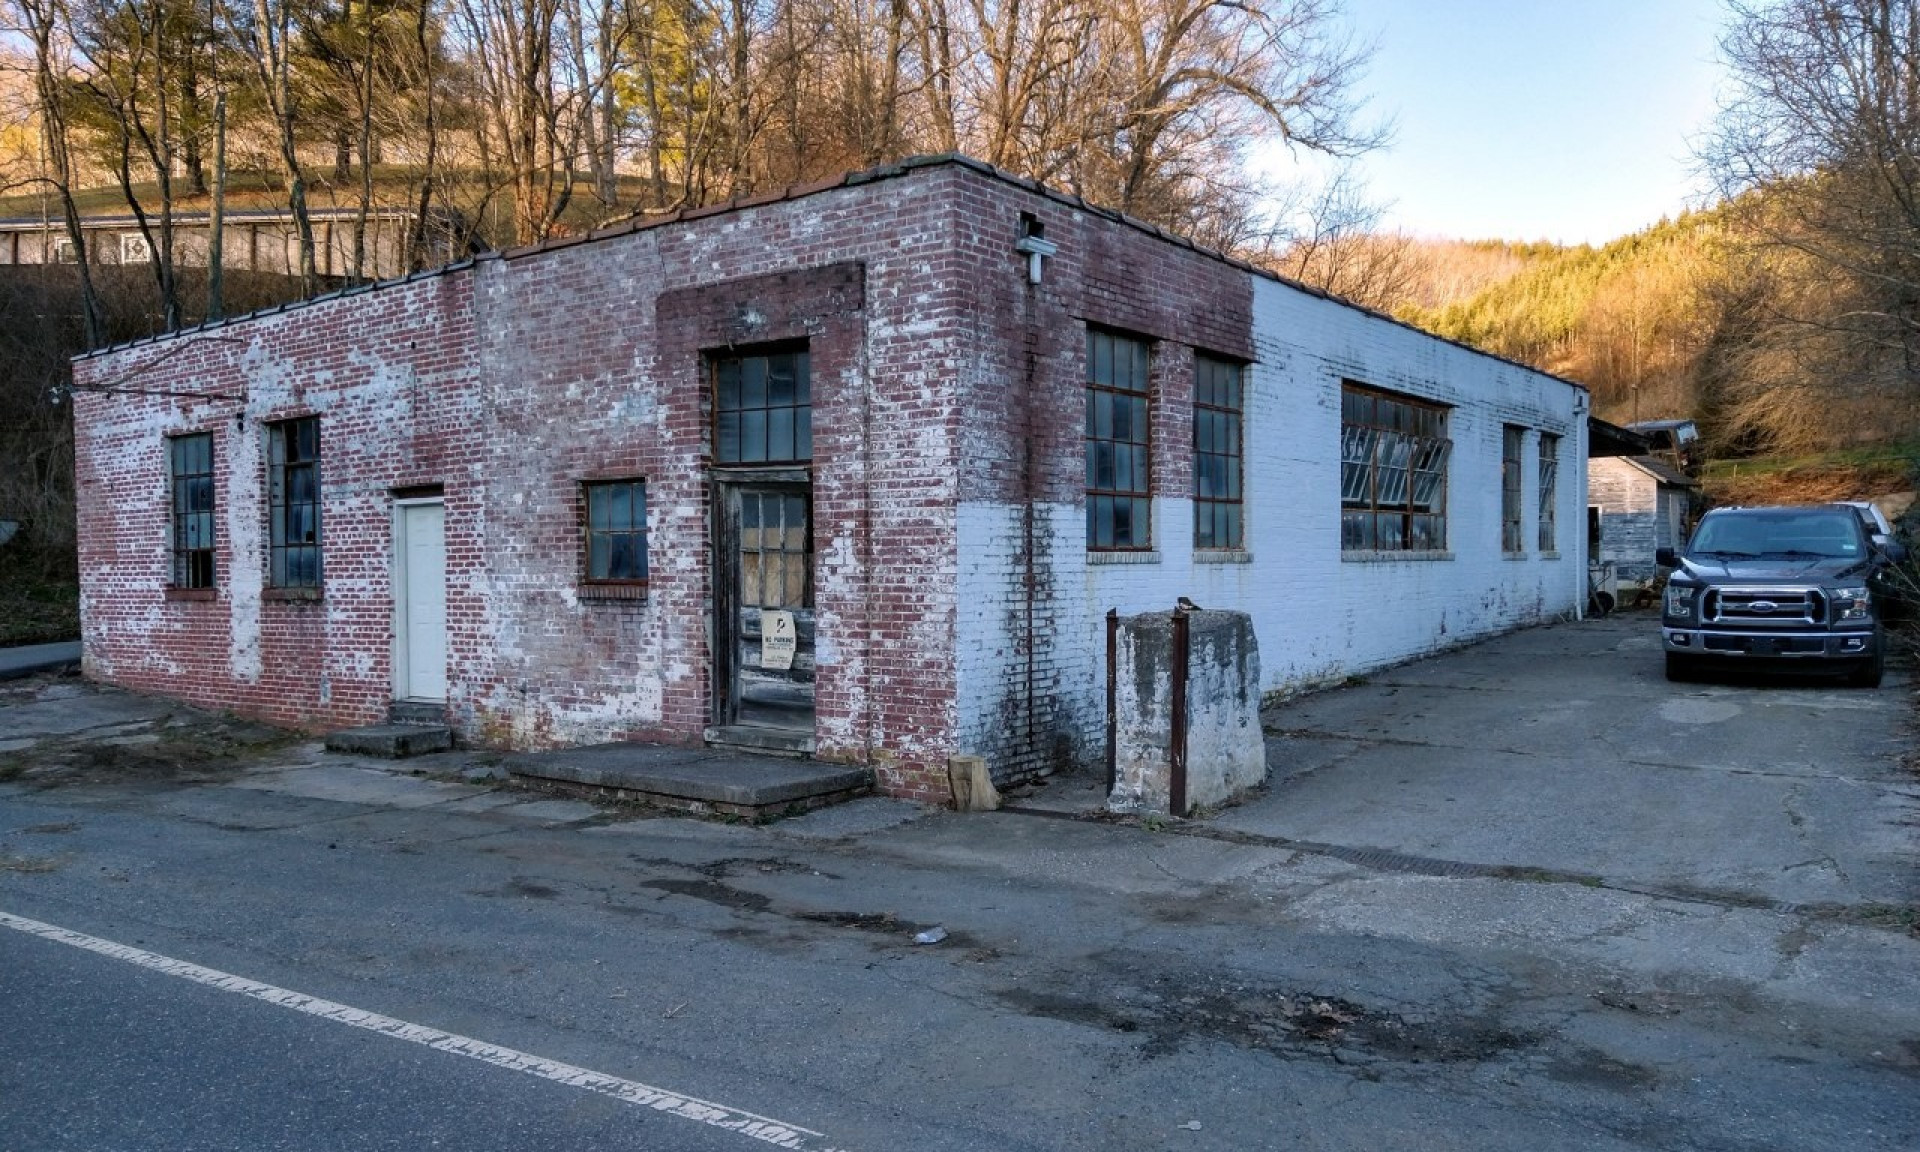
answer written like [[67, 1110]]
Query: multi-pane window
[[1119, 444], [1217, 400], [763, 409], [617, 531], [191, 463], [293, 495], [1512, 442], [1393, 472], [1549, 488]]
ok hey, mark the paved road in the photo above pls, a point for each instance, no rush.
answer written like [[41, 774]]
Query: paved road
[[1275, 975]]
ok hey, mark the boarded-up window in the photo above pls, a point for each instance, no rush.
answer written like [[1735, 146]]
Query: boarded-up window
[[1218, 388], [1119, 442], [763, 408], [191, 464], [776, 551], [1393, 472]]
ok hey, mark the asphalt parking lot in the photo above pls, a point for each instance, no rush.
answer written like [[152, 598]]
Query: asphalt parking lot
[[1522, 896]]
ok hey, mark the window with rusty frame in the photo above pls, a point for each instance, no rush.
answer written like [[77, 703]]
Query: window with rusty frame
[[190, 463], [1119, 443], [1549, 491], [616, 531], [293, 498], [1513, 441], [763, 407], [1218, 428], [1394, 453]]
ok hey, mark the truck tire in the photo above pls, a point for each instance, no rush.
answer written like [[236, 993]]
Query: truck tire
[[1870, 674]]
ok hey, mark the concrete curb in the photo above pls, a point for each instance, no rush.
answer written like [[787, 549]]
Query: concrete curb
[[32, 659]]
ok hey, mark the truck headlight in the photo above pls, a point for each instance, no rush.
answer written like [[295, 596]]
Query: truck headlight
[[1679, 599], [1850, 604]]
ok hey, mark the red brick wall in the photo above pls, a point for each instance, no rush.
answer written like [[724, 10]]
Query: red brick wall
[[508, 383], [1025, 401], [385, 421], [958, 609]]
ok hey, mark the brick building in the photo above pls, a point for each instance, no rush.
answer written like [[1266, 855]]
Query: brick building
[[857, 469]]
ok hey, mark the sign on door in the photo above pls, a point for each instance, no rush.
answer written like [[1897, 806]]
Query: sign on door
[[777, 640]]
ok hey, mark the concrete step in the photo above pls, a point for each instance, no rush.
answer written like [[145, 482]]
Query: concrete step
[[707, 781], [393, 741], [429, 712], [756, 741]]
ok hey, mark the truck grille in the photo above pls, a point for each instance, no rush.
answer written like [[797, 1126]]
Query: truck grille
[[1763, 607]]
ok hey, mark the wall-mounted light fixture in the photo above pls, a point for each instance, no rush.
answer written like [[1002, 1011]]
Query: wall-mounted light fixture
[[1034, 245]]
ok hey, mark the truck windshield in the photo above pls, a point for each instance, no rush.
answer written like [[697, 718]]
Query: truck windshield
[[1789, 534]]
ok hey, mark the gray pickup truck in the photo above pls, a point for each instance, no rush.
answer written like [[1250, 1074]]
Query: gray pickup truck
[[1781, 587]]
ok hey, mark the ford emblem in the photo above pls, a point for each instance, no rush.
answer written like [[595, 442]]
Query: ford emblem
[[1763, 606]]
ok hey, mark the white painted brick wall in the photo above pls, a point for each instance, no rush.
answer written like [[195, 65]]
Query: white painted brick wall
[[1319, 617]]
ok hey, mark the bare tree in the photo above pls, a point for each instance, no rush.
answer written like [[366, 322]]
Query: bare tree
[[530, 125], [135, 55], [269, 27], [45, 24], [1180, 81], [600, 37], [1818, 145], [931, 37], [1329, 236]]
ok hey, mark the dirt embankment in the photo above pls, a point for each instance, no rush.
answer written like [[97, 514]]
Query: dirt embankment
[[1888, 483]]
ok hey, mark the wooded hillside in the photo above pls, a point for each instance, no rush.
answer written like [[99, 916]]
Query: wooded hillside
[[1787, 317]]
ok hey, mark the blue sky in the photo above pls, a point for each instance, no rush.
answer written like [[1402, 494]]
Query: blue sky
[[1565, 120]]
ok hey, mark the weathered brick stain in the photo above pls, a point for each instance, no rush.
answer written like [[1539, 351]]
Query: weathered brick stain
[[958, 610]]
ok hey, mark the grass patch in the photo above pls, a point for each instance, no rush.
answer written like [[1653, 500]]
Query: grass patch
[[1896, 457], [38, 611], [1842, 474]]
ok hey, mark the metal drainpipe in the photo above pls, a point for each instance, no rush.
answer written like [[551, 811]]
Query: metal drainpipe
[[1113, 689], [1177, 759], [1028, 540]]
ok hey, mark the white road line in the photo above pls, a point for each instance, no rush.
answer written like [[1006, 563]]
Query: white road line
[[769, 1131]]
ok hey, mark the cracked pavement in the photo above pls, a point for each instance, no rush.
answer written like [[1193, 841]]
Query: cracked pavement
[[1523, 896]]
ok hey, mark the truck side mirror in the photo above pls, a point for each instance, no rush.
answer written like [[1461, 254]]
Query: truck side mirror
[[1665, 558], [1890, 548]]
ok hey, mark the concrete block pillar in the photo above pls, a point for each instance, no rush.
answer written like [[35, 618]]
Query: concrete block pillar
[[1183, 710]]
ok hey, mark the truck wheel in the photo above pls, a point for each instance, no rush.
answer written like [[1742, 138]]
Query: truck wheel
[[1681, 669], [1870, 674]]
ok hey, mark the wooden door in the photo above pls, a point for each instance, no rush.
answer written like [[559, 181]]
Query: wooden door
[[765, 559]]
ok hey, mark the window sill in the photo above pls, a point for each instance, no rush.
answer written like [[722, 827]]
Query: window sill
[[291, 595], [1096, 558], [1365, 556], [1222, 556], [1514, 556], [1549, 555], [614, 592], [192, 594]]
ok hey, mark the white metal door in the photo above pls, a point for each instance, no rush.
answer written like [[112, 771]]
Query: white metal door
[[420, 602]]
